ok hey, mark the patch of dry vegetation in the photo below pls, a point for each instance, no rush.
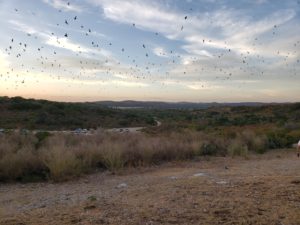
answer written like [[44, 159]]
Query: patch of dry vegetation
[[61, 156]]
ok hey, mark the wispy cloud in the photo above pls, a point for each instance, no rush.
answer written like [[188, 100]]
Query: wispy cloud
[[65, 43], [20, 26], [58, 42], [220, 29], [201, 86], [64, 5], [161, 52], [153, 18]]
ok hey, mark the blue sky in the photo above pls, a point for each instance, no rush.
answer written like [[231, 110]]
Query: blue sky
[[163, 50]]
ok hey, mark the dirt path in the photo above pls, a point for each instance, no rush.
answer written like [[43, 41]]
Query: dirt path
[[262, 190]]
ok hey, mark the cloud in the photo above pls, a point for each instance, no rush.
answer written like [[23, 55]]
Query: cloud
[[109, 82], [196, 52], [201, 86], [161, 52], [224, 28], [128, 83], [191, 85], [146, 15], [65, 43], [19, 26], [59, 42], [63, 5], [259, 2]]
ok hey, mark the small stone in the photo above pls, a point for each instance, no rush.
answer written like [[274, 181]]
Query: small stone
[[199, 175], [122, 185]]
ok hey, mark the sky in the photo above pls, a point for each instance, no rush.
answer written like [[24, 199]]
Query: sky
[[158, 50]]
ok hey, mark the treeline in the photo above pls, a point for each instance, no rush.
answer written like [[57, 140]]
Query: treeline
[[18, 112]]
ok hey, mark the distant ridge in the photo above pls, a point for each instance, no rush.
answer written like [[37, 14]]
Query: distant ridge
[[174, 105]]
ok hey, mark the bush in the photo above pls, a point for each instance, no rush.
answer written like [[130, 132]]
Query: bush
[[25, 106], [217, 146], [61, 164], [259, 144], [41, 137], [21, 164], [151, 121], [112, 157], [208, 149], [237, 148], [279, 139], [254, 142]]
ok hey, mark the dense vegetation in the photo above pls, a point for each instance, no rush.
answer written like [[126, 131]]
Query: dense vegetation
[[30, 114], [18, 112], [184, 134]]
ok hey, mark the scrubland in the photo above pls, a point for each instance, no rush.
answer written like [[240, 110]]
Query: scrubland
[[58, 157]]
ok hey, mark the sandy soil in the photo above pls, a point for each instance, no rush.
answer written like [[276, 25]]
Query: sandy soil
[[261, 190]]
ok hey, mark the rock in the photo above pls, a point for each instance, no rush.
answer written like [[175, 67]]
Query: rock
[[122, 185], [199, 174], [295, 181]]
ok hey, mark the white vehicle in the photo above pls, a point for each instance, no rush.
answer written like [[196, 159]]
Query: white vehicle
[[77, 131], [80, 131]]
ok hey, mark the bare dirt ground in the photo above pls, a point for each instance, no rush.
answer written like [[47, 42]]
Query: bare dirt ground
[[263, 189]]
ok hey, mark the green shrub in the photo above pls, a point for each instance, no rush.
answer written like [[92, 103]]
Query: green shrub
[[208, 149], [279, 139], [25, 106], [41, 137], [217, 146]]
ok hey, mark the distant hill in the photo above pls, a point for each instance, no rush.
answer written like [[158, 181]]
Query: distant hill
[[172, 105], [18, 112]]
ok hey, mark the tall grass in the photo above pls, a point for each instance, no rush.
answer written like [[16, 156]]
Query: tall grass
[[237, 148], [61, 157], [64, 156]]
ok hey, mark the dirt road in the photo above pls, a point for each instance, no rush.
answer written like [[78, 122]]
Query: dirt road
[[261, 190]]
